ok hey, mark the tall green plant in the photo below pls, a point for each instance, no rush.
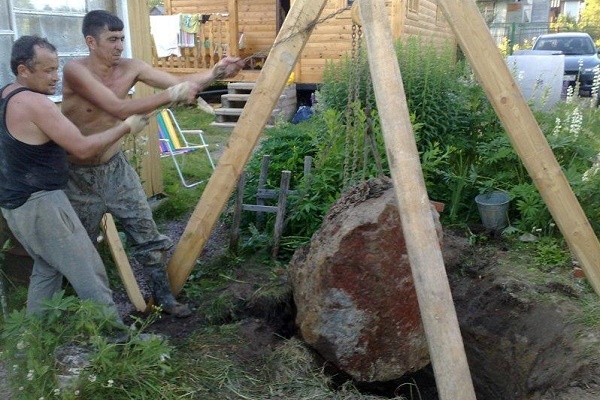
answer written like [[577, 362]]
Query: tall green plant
[[109, 369]]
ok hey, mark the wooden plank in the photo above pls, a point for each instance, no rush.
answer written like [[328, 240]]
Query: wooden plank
[[296, 30], [525, 134], [259, 208], [446, 349], [122, 262]]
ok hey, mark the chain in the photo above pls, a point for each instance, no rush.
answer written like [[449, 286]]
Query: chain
[[350, 100], [357, 103]]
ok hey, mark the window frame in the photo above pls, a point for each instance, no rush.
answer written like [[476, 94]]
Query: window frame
[[14, 30]]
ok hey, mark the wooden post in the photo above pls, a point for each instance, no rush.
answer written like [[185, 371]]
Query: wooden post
[[139, 21], [446, 350], [234, 30], [524, 132], [281, 207], [237, 214], [262, 182], [291, 38]]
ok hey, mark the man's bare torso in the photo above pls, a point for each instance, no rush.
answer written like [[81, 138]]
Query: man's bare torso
[[88, 117]]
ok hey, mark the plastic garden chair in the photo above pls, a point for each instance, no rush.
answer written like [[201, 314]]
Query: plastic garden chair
[[173, 142]]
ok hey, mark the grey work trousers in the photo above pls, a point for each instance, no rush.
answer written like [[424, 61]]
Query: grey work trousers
[[48, 228], [115, 187]]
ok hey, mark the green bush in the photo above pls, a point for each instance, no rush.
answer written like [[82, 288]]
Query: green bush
[[463, 147]]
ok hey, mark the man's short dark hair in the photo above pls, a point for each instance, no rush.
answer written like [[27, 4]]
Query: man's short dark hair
[[23, 51], [96, 21]]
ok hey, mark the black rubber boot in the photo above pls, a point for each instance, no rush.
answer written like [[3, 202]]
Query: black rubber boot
[[162, 293]]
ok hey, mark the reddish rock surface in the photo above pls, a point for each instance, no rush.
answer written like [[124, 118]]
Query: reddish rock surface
[[354, 291]]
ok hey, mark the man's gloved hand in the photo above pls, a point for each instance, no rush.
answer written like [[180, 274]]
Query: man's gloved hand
[[183, 92], [136, 123], [228, 67]]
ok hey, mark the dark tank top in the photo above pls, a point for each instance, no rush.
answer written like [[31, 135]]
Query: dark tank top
[[26, 168]]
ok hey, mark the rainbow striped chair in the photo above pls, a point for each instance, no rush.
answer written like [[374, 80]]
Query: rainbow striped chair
[[173, 142]]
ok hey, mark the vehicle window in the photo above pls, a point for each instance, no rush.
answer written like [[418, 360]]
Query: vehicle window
[[568, 45]]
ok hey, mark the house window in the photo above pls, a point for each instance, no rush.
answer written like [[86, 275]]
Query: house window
[[413, 6], [59, 21]]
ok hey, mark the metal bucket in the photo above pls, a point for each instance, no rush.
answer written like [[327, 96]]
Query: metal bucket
[[493, 208]]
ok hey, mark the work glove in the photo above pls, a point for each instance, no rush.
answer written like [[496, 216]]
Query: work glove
[[227, 67], [136, 123], [183, 92]]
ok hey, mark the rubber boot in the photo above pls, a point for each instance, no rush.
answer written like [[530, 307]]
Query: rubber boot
[[162, 293]]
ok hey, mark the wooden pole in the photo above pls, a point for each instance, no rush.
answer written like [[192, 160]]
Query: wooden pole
[[139, 21], [452, 375], [292, 37], [234, 30], [524, 132]]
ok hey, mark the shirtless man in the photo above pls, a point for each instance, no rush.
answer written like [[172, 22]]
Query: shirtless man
[[95, 92], [33, 173]]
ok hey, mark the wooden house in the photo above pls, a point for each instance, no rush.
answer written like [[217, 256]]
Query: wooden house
[[256, 23]]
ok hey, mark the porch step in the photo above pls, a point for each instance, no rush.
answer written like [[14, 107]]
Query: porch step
[[228, 126], [225, 114], [238, 94]]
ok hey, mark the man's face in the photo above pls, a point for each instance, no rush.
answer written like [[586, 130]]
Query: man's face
[[43, 76], [109, 45]]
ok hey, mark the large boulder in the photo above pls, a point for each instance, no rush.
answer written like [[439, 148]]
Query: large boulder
[[353, 288]]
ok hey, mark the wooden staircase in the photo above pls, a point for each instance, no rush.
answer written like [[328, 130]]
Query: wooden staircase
[[238, 94]]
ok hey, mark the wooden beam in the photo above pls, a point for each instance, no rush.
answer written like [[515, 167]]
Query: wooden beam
[[122, 261], [292, 37], [139, 22], [233, 9], [524, 132], [446, 348]]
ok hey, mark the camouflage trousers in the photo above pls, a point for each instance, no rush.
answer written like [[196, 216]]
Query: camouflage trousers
[[114, 187]]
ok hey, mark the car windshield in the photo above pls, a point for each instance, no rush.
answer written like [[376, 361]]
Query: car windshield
[[568, 45]]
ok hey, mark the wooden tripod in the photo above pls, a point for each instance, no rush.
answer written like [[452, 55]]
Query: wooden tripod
[[435, 301]]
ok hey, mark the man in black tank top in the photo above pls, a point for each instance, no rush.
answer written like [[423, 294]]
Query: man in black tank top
[[34, 140]]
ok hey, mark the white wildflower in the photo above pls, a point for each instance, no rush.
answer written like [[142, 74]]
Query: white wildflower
[[92, 378], [557, 126], [56, 392], [110, 383], [30, 375], [163, 357], [21, 345], [576, 122]]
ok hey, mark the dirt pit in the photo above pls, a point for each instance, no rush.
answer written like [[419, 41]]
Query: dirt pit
[[524, 330]]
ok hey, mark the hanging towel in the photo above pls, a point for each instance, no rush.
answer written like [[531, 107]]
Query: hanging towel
[[190, 23], [187, 39], [165, 31]]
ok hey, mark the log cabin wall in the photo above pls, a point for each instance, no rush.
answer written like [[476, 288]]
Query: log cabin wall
[[426, 20], [256, 20], [330, 39]]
